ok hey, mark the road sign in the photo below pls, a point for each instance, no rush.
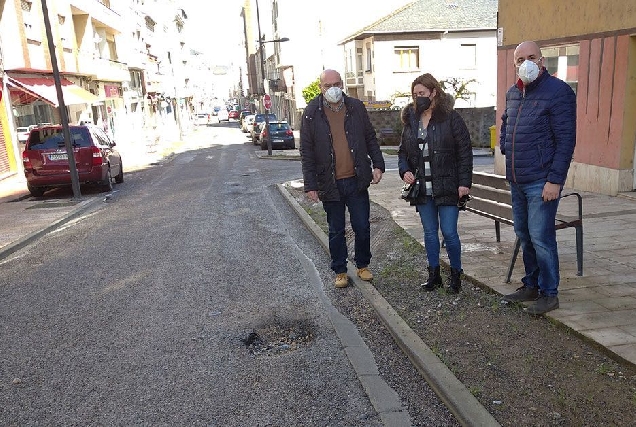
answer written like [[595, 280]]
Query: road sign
[[267, 101]]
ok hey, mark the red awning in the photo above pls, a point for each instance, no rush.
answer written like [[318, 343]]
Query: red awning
[[25, 90]]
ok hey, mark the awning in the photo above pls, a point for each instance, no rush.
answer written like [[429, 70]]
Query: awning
[[25, 90]]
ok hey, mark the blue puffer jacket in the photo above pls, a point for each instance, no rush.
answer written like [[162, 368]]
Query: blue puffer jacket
[[538, 130]]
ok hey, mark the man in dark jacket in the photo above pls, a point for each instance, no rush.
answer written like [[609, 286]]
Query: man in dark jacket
[[538, 135], [338, 146]]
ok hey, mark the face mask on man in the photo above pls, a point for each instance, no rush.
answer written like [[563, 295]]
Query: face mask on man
[[333, 94], [528, 71], [422, 103]]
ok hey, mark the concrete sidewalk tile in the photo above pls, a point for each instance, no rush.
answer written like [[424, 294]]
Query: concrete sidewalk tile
[[610, 336], [619, 289], [590, 321], [622, 303], [626, 351], [570, 308]]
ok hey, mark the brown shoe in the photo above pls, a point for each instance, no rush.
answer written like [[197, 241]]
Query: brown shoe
[[365, 274], [342, 281]]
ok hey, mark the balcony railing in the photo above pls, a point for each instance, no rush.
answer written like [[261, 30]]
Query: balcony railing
[[354, 78], [102, 69], [99, 12]]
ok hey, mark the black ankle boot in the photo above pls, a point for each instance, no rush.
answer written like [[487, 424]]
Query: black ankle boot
[[455, 281], [434, 279]]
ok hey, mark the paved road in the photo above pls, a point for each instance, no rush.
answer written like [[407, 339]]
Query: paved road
[[195, 296]]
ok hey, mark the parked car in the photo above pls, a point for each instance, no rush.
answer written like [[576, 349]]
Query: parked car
[[203, 119], [247, 123], [46, 162], [223, 115], [23, 133], [242, 115], [233, 114], [281, 135], [258, 119]]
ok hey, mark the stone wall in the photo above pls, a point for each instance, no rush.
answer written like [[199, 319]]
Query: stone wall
[[388, 125]]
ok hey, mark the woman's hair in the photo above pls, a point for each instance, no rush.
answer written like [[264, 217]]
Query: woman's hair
[[441, 98]]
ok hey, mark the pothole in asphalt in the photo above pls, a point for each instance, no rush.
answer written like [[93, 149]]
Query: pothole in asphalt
[[279, 338]]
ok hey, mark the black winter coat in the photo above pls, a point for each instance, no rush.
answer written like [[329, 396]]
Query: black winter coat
[[316, 148], [450, 152]]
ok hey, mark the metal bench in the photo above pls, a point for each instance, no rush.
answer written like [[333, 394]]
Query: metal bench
[[491, 199]]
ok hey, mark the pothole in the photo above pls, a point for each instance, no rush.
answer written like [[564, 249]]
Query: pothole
[[279, 338]]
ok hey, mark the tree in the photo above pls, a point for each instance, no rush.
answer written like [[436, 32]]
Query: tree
[[457, 87], [311, 91]]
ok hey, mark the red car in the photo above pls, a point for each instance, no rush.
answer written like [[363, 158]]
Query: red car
[[233, 114], [46, 162]]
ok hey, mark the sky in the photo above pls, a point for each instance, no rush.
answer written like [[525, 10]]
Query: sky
[[217, 29]]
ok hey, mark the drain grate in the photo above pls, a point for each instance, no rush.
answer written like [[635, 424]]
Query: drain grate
[[278, 338]]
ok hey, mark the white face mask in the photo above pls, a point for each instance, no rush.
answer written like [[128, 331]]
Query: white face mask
[[528, 71], [333, 94]]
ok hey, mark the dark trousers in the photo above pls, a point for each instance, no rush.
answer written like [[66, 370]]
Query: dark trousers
[[357, 202]]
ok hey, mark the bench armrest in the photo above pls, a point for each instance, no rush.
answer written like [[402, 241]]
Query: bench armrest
[[580, 202]]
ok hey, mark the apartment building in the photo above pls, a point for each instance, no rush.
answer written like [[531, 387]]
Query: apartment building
[[123, 66]]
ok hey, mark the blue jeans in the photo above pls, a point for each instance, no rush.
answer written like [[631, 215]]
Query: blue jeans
[[445, 217], [357, 202], [534, 226]]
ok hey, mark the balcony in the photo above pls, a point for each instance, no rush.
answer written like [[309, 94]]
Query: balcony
[[100, 13], [102, 69], [354, 79]]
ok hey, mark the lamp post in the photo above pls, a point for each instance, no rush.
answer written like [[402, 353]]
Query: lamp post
[[261, 42]]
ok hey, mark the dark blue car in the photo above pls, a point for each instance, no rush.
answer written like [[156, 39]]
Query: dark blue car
[[281, 135]]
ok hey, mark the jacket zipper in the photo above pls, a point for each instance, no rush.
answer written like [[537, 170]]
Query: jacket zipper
[[514, 134]]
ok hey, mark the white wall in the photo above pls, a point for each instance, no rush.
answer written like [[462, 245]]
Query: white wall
[[442, 59]]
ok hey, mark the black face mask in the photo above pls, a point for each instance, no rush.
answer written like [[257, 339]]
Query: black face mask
[[422, 103]]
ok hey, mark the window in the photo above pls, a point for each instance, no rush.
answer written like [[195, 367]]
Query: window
[[369, 58], [563, 62], [407, 58], [467, 56], [30, 19]]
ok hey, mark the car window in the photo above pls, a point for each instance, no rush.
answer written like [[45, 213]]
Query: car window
[[51, 138], [261, 117], [278, 126]]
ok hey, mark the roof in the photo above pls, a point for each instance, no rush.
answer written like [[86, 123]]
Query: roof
[[434, 16]]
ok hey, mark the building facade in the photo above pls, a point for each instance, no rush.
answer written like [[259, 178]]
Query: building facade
[[123, 66], [590, 44]]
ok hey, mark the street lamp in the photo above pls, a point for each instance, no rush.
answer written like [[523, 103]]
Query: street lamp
[[261, 42]]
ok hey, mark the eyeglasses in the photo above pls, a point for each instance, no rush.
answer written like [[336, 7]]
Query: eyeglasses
[[330, 85]]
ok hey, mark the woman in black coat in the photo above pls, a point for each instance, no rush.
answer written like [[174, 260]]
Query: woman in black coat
[[436, 151]]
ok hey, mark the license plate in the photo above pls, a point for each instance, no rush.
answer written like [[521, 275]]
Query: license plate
[[277, 140], [56, 157]]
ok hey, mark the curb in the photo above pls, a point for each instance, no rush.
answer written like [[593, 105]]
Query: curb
[[462, 404], [30, 238]]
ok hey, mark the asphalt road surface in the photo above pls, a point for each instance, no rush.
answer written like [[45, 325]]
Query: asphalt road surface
[[193, 296]]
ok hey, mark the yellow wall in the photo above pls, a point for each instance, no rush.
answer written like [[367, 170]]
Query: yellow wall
[[8, 139], [556, 19]]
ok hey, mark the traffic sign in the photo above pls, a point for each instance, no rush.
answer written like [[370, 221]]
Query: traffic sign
[[267, 101]]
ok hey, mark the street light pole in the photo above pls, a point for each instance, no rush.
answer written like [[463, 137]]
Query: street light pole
[[61, 105], [262, 52], [261, 42]]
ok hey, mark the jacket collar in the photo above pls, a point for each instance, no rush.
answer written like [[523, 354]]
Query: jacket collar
[[543, 76]]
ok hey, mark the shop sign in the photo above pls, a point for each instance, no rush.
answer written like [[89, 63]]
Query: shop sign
[[112, 91]]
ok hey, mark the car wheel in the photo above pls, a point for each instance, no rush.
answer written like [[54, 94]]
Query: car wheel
[[107, 184], [120, 176], [263, 145], [36, 191]]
